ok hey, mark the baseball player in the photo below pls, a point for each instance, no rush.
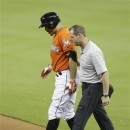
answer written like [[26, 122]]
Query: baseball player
[[64, 64], [96, 90]]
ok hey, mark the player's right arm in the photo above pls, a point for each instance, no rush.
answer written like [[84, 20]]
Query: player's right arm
[[46, 71]]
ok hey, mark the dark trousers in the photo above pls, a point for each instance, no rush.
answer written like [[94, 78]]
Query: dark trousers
[[91, 103]]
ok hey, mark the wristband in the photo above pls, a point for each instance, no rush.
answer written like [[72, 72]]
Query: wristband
[[72, 80], [105, 96], [50, 67]]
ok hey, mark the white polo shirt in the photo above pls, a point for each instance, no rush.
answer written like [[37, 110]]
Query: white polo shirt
[[92, 64]]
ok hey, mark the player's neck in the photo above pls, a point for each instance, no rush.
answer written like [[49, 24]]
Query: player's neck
[[58, 28]]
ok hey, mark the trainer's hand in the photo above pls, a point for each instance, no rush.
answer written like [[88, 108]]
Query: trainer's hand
[[46, 71], [71, 86], [105, 100]]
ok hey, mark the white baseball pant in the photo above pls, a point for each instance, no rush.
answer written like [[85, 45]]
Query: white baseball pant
[[62, 102]]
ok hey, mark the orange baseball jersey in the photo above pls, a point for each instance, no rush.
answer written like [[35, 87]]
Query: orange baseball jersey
[[61, 44]]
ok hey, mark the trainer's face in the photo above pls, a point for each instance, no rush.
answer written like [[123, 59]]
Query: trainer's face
[[50, 31], [75, 39]]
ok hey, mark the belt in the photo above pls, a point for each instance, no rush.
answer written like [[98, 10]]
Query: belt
[[58, 74], [61, 72], [91, 83]]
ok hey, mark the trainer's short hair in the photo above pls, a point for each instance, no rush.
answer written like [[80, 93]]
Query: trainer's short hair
[[78, 29]]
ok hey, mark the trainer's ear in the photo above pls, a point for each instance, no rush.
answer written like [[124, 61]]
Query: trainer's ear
[[79, 35]]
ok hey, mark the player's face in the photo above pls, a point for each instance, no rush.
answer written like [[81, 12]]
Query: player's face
[[50, 31]]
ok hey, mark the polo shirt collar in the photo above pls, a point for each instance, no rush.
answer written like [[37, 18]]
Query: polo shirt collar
[[86, 47]]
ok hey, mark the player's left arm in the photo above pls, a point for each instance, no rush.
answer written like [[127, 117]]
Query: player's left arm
[[72, 55]]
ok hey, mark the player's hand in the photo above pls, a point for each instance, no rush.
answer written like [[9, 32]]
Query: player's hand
[[71, 86], [105, 100], [46, 71]]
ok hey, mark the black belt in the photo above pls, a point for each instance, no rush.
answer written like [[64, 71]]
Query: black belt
[[90, 83], [58, 74]]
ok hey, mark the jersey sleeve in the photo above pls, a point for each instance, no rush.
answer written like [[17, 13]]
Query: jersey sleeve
[[66, 43]]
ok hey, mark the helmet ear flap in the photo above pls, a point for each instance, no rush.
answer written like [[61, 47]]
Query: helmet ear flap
[[50, 20], [53, 23]]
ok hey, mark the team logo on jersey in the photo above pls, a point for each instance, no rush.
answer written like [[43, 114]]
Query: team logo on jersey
[[54, 48], [66, 42]]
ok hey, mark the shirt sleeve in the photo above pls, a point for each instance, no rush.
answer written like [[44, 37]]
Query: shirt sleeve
[[66, 43], [99, 62]]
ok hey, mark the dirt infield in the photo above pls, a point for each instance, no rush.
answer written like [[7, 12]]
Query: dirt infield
[[8, 123]]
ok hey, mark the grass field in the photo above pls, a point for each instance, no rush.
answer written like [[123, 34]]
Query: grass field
[[25, 52]]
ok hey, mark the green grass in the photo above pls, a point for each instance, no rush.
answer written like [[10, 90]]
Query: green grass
[[25, 52]]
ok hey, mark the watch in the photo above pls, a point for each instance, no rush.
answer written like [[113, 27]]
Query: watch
[[105, 96]]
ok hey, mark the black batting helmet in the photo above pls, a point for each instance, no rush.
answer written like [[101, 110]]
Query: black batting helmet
[[50, 19]]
